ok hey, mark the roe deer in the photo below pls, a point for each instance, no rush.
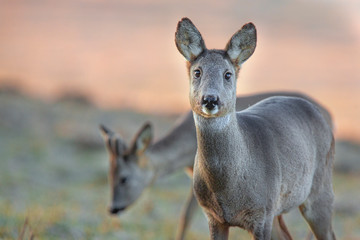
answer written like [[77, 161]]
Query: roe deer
[[259, 163], [175, 151]]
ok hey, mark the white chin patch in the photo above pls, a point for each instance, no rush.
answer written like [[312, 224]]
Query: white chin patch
[[210, 113]]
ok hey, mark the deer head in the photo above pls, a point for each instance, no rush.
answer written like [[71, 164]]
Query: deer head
[[213, 73], [128, 172]]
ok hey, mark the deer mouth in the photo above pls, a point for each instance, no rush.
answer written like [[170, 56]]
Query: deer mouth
[[116, 210], [210, 111]]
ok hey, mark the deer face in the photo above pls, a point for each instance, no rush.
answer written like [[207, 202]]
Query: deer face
[[128, 172], [212, 84], [213, 73]]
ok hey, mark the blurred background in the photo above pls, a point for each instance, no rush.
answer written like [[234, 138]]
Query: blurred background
[[66, 66]]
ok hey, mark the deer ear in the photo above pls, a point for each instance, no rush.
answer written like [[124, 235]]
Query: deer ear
[[242, 44], [105, 131], [188, 40], [142, 139], [114, 144]]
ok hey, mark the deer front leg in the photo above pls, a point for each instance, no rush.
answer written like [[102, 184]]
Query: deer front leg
[[262, 230], [279, 229], [218, 231], [187, 214]]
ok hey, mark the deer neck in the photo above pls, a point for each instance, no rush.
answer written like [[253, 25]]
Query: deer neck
[[219, 145], [175, 151], [214, 134]]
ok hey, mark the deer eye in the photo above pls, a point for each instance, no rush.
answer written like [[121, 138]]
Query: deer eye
[[197, 73], [227, 75], [123, 180]]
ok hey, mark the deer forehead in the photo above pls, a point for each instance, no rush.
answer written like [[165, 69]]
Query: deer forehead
[[119, 166], [213, 61]]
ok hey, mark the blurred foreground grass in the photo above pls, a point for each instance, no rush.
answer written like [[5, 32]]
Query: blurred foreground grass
[[53, 172]]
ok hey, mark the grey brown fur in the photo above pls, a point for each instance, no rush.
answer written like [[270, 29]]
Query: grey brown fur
[[254, 165]]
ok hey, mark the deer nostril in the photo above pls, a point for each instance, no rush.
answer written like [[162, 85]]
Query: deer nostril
[[210, 101]]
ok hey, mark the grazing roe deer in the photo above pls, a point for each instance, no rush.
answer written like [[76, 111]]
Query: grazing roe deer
[[173, 152], [259, 163]]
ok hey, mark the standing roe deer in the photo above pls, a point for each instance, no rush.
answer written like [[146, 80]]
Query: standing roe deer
[[175, 151], [259, 163]]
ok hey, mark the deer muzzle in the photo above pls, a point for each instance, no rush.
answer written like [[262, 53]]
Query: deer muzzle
[[115, 210], [210, 102]]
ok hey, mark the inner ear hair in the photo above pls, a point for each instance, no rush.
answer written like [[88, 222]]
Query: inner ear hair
[[142, 139], [189, 40], [112, 144], [242, 44]]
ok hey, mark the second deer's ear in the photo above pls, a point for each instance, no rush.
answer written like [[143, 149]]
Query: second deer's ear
[[142, 139], [114, 144], [105, 131], [242, 44], [188, 40]]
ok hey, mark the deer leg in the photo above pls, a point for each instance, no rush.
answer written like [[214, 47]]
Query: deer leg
[[317, 209], [218, 231], [186, 215], [309, 236], [279, 230], [318, 216], [262, 231]]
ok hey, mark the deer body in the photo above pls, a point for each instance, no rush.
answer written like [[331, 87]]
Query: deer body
[[172, 153], [254, 165], [266, 168], [176, 150]]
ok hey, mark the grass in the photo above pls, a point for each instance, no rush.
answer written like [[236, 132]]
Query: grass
[[53, 180]]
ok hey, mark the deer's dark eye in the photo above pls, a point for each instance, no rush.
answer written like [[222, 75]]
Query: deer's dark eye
[[197, 73], [227, 75], [123, 180]]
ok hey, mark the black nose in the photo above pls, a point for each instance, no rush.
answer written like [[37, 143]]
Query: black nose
[[115, 210], [210, 101]]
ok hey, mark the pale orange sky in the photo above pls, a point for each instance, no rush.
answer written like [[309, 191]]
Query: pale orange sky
[[122, 53]]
